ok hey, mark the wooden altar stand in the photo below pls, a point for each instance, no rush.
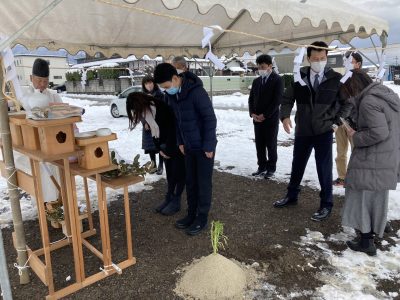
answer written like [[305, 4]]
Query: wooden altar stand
[[72, 217]]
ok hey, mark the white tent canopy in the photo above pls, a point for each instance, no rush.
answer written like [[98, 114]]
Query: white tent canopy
[[118, 26]]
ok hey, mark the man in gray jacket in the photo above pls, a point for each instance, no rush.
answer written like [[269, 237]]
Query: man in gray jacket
[[319, 109]]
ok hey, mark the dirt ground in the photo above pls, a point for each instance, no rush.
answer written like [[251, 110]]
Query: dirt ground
[[253, 226]]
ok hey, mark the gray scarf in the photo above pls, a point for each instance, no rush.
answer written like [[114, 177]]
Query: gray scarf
[[149, 116]]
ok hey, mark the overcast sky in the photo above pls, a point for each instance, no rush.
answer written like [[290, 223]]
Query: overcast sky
[[385, 9]]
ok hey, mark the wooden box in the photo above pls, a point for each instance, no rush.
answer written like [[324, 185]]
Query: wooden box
[[15, 128], [57, 139], [54, 136], [30, 137], [95, 151], [23, 134]]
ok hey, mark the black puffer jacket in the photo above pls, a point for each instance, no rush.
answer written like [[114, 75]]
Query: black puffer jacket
[[316, 113]]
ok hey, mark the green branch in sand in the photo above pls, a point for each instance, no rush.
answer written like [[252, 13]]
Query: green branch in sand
[[218, 239]]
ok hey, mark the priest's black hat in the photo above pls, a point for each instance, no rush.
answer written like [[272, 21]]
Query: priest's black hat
[[40, 68]]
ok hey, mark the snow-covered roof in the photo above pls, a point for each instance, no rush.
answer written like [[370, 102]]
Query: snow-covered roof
[[237, 69], [109, 65], [113, 62], [40, 55], [132, 27]]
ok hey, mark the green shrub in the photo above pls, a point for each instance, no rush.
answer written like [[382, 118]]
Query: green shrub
[[91, 74], [108, 73], [73, 76]]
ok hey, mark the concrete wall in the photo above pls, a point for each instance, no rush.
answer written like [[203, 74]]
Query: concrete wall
[[111, 86], [96, 86], [228, 83]]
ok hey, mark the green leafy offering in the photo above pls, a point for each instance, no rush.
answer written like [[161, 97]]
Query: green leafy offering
[[56, 214], [125, 169], [218, 239]]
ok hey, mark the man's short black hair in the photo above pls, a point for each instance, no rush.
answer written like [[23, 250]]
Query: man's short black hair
[[318, 44], [264, 59], [164, 72], [357, 57]]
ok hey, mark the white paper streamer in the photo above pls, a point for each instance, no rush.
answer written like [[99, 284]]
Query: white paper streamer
[[298, 60], [208, 33], [382, 63], [347, 62], [11, 71], [346, 76], [212, 57], [274, 65]]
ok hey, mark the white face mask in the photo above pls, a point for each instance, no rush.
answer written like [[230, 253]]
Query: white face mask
[[179, 71], [318, 66], [264, 73]]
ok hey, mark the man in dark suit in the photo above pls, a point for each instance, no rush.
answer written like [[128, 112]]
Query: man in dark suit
[[319, 108], [264, 100]]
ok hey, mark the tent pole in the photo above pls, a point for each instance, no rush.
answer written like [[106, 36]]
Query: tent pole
[[376, 51], [12, 183], [358, 51], [211, 75], [4, 279], [8, 41]]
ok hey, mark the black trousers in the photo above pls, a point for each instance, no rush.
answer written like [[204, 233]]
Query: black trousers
[[176, 174], [266, 136], [153, 158], [322, 145], [199, 171]]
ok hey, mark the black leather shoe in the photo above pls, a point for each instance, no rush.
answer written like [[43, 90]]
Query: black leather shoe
[[161, 206], [285, 202], [197, 226], [185, 222], [321, 214], [357, 246], [268, 175], [388, 228], [260, 171]]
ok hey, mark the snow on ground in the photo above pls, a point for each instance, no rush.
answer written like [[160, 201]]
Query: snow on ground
[[88, 96], [356, 273]]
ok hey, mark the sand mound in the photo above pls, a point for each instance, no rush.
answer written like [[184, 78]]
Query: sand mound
[[213, 277]]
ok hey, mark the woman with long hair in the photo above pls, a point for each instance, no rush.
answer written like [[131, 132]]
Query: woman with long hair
[[374, 166], [161, 121], [150, 88]]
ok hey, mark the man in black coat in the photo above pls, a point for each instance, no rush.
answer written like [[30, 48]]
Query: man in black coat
[[196, 136], [319, 108], [264, 100]]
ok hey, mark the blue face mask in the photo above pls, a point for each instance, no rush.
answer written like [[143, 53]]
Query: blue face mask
[[172, 90]]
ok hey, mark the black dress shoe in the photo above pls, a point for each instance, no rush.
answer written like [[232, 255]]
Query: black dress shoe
[[163, 204], [369, 247], [197, 226], [285, 202], [185, 222], [269, 174], [388, 228], [321, 214], [260, 171]]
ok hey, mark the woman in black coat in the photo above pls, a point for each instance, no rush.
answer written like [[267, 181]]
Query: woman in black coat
[[150, 88], [161, 121]]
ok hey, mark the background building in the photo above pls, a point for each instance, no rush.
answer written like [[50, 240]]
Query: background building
[[58, 67]]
